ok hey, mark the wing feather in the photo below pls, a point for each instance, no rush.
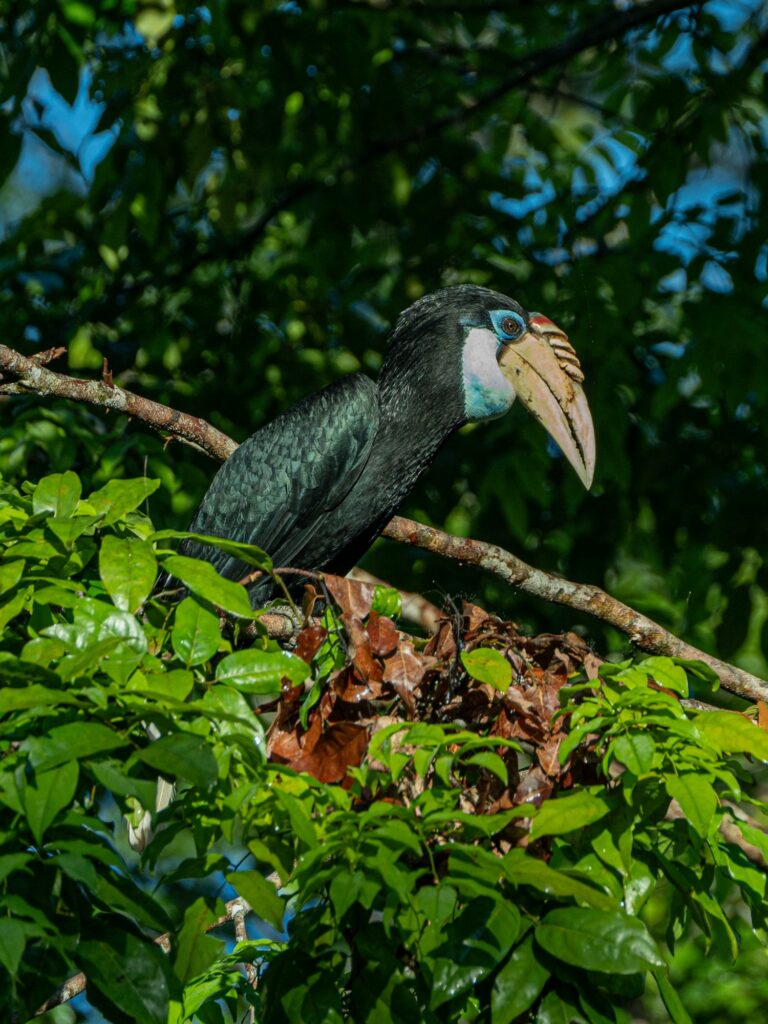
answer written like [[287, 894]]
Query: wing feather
[[280, 484]]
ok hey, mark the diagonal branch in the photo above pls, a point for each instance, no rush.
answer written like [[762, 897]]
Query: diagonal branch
[[643, 632], [30, 377]]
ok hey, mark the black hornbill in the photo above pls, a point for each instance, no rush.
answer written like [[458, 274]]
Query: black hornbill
[[316, 485]]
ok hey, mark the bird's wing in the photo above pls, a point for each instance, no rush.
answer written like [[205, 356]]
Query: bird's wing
[[276, 488]]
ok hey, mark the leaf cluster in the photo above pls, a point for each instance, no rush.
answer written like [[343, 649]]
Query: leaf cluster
[[262, 189], [501, 830]]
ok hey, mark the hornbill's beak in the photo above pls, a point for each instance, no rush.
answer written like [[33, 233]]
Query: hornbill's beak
[[545, 373]]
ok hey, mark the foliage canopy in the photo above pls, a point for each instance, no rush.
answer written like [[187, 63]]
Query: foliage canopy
[[449, 879], [231, 202], [246, 195]]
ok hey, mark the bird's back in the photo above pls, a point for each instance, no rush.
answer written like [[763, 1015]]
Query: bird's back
[[278, 489]]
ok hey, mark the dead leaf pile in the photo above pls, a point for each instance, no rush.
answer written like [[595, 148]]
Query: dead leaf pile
[[387, 674]]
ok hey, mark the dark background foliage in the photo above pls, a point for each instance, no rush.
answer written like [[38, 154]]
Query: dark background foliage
[[231, 202]]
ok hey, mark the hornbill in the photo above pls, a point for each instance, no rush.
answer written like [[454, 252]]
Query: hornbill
[[316, 485]]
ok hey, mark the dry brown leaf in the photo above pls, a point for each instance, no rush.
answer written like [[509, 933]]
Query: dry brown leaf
[[309, 641], [533, 788], [547, 755], [342, 745], [367, 668], [404, 666], [353, 597], [474, 616], [382, 634], [592, 665], [351, 689], [443, 644]]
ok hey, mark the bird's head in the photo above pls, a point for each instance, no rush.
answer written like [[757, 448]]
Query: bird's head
[[505, 353]]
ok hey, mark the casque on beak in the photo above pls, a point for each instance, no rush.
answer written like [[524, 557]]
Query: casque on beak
[[545, 372]]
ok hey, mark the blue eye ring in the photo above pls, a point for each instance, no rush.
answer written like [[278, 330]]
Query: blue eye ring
[[507, 324]]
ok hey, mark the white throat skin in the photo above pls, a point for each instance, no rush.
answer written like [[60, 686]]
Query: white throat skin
[[487, 392]]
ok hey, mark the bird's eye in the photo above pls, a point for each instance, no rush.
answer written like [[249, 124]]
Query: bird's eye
[[508, 325], [511, 327]]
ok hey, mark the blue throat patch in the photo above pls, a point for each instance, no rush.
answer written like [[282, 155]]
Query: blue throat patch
[[487, 392]]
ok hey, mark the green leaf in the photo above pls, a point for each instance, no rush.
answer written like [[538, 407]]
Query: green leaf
[[518, 983], [672, 1001], [176, 684], [568, 813], [33, 696], [182, 756], [557, 1009], [10, 574], [488, 666], [128, 569], [18, 672], [58, 493], [69, 529], [701, 670], [46, 794], [522, 869], [10, 862], [598, 941], [196, 951], [119, 497], [73, 740], [636, 750], [697, 798], [78, 13], [12, 942], [113, 776], [14, 607], [248, 553], [471, 947], [128, 973], [666, 673], [302, 825], [261, 894], [196, 632], [86, 662], [203, 580], [733, 733], [254, 671], [491, 763]]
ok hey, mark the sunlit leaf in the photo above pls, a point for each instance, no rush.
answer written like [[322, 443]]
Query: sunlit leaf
[[567, 813], [488, 666], [128, 568], [598, 941]]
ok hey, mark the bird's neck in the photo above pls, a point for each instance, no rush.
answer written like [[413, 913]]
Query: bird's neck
[[421, 406]]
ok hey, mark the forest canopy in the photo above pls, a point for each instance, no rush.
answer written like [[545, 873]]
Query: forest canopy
[[233, 203], [223, 207]]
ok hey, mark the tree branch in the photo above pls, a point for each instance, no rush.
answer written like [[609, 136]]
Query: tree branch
[[643, 632], [33, 378]]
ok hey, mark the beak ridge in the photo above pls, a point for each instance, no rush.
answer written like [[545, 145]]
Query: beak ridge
[[545, 372]]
